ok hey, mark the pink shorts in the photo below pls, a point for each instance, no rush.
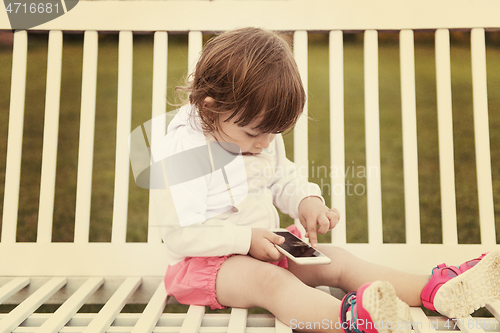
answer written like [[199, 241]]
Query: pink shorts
[[192, 281]]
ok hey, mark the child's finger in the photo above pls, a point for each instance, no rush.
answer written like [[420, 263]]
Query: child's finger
[[272, 253], [311, 232], [324, 223], [335, 211], [275, 238], [333, 218]]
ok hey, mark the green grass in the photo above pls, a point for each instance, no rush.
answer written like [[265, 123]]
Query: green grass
[[356, 215]]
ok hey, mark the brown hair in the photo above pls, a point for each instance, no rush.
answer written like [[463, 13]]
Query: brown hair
[[249, 72]]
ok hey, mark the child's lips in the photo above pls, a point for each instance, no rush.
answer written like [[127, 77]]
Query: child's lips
[[247, 153]]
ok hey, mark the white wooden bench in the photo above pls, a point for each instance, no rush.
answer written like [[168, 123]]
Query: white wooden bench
[[118, 272]]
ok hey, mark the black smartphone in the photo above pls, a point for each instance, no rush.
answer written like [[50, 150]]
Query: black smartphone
[[299, 251]]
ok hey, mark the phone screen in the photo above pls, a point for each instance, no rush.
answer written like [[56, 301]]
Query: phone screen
[[296, 247]]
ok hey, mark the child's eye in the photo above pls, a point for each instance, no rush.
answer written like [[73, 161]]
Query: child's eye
[[251, 135]]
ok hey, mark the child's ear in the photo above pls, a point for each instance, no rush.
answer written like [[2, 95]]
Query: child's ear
[[207, 102]]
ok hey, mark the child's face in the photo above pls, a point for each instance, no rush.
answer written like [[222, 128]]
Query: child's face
[[250, 140]]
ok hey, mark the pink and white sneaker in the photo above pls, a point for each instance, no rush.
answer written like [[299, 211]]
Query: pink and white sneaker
[[374, 308], [459, 291]]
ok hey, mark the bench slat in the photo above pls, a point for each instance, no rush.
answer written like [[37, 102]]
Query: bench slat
[[482, 137], [13, 287], [337, 138], [372, 137], [124, 119], [159, 107], [280, 327], [152, 312], [409, 124], [15, 137], [195, 45], [68, 309], [192, 321], [131, 259], [160, 73], [469, 325], [50, 137], [238, 321], [124, 322], [113, 307], [26, 308], [445, 132], [277, 15], [87, 127], [422, 324], [494, 308], [300, 133]]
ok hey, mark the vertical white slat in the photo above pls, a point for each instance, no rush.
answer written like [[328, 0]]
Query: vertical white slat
[[482, 138], [160, 73], [123, 124], [192, 320], [15, 137], [372, 133], [13, 287], [115, 304], [195, 45], [409, 123], [238, 321], [67, 310], [50, 136], [152, 312], [337, 138], [445, 135], [280, 327], [26, 308], [420, 322], [300, 133], [86, 147], [159, 107]]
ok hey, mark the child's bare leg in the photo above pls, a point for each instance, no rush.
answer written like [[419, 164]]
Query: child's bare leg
[[244, 282], [349, 272]]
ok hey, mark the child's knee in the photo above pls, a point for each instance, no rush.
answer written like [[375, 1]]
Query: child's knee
[[250, 279], [341, 260], [271, 278]]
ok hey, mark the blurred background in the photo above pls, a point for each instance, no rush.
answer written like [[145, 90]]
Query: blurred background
[[390, 132]]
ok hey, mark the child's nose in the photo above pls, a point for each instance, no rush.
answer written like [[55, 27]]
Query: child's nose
[[264, 140]]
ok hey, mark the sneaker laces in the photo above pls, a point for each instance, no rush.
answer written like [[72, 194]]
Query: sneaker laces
[[349, 303]]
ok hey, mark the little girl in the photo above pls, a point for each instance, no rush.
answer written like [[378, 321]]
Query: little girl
[[245, 91]]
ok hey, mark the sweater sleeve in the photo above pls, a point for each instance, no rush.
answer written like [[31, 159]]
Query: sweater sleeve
[[289, 185], [187, 233]]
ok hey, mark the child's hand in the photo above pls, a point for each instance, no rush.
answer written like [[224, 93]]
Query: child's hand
[[314, 213], [262, 245]]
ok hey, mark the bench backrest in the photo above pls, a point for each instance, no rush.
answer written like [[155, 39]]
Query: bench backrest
[[119, 257]]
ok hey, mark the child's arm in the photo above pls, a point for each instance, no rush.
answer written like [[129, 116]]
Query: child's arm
[[297, 197], [290, 184], [208, 239]]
